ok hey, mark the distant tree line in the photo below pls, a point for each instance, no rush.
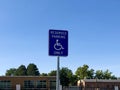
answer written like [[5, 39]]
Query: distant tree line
[[66, 75], [31, 70]]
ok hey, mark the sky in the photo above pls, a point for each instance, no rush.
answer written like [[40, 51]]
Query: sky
[[93, 27]]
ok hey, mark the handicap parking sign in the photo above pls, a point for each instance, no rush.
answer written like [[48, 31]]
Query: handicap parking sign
[[58, 42]]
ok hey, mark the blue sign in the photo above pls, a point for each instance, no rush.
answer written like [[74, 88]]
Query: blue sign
[[58, 43]]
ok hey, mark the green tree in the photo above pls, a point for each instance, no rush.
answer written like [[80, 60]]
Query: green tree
[[21, 71], [107, 74], [82, 72], [73, 80], [66, 76], [11, 72], [104, 74], [32, 70], [113, 77], [52, 73], [90, 74], [99, 74], [44, 74]]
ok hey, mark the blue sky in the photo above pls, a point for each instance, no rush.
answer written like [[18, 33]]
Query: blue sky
[[93, 26]]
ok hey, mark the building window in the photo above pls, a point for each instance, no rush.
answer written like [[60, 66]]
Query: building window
[[29, 84], [5, 84], [41, 84], [52, 85]]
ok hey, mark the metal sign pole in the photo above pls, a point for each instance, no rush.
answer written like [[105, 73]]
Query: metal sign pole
[[58, 46], [57, 76]]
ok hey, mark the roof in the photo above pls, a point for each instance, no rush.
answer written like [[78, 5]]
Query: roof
[[101, 80], [27, 76]]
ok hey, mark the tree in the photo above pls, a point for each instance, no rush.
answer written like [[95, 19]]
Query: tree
[[113, 77], [104, 74], [11, 72], [52, 73], [44, 74], [32, 70], [82, 72], [66, 76], [107, 74], [21, 71], [74, 80], [99, 74], [90, 74]]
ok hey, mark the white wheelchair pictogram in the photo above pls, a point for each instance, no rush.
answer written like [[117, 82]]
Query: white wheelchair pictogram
[[58, 46]]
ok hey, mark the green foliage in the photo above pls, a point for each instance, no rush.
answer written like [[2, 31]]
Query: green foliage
[[44, 74], [64, 76], [21, 71], [52, 73], [83, 72], [32, 70], [90, 74], [113, 77], [99, 74], [104, 74], [107, 74], [11, 72], [73, 80]]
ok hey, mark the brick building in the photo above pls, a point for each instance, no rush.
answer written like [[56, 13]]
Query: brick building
[[27, 83], [49, 83], [99, 84]]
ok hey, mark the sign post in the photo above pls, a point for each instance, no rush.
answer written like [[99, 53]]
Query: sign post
[[58, 46], [57, 73]]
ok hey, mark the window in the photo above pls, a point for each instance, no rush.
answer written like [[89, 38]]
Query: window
[[52, 85], [28, 84], [6, 84], [41, 84]]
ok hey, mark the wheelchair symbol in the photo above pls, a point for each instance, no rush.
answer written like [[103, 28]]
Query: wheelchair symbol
[[58, 46]]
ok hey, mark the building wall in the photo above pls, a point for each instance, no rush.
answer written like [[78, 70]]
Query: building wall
[[20, 80], [99, 83]]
